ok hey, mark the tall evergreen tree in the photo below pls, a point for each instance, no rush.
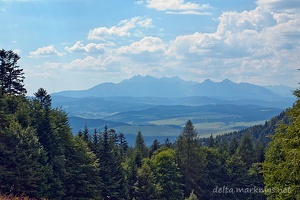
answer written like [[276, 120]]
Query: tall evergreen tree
[[140, 145], [11, 76], [155, 145], [43, 98], [190, 158], [111, 170]]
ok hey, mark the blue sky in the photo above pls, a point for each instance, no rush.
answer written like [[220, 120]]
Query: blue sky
[[77, 44]]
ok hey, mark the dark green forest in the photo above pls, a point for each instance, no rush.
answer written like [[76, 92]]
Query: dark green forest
[[40, 158]]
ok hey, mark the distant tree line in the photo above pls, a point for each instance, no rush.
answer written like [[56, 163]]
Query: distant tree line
[[41, 158]]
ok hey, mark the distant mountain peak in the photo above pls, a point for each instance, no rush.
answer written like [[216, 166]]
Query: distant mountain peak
[[226, 81], [174, 87], [207, 81], [140, 78]]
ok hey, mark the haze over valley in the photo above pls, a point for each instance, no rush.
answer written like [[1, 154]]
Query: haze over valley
[[159, 107]]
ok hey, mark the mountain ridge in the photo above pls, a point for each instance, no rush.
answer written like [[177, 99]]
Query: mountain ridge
[[174, 87]]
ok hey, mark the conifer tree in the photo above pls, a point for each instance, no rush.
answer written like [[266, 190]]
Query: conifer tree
[[140, 145], [110, 167], [190, 159], [11, 76], [155, 145]]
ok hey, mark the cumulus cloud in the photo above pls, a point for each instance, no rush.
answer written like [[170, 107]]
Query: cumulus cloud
[[92, 63], [178, 7], [245, 46], [89, 48], [145, 45], [44, 52], [122, 29], [242, 34]]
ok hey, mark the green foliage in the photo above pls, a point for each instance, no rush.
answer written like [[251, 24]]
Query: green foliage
[[22, 162], [168, 175], [245, 150], [145, 187], [282, 164], [140, 145]]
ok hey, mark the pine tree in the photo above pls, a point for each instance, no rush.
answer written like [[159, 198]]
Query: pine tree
[[123, 146], [140, 145], [110, 167], [43, 98], [190, 158], [155, 145], [11, 76]]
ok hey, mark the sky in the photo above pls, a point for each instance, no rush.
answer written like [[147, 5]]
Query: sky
[[77, 44]]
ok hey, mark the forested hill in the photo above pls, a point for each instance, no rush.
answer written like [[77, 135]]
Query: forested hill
[[261, 133]]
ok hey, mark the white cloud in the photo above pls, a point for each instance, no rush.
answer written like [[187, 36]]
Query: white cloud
[[287, 6], [89, 48], [123, 29], [243, 34], [178, 7], [147, 44], [247, 45], [44, 52], [91, 63]]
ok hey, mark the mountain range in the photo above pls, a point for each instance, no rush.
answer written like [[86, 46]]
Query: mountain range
[[161, 106], [148, 86]]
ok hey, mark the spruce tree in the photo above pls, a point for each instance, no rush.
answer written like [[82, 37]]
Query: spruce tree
[[11, 76], [110, 167], [140, 145], [190, 158]]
